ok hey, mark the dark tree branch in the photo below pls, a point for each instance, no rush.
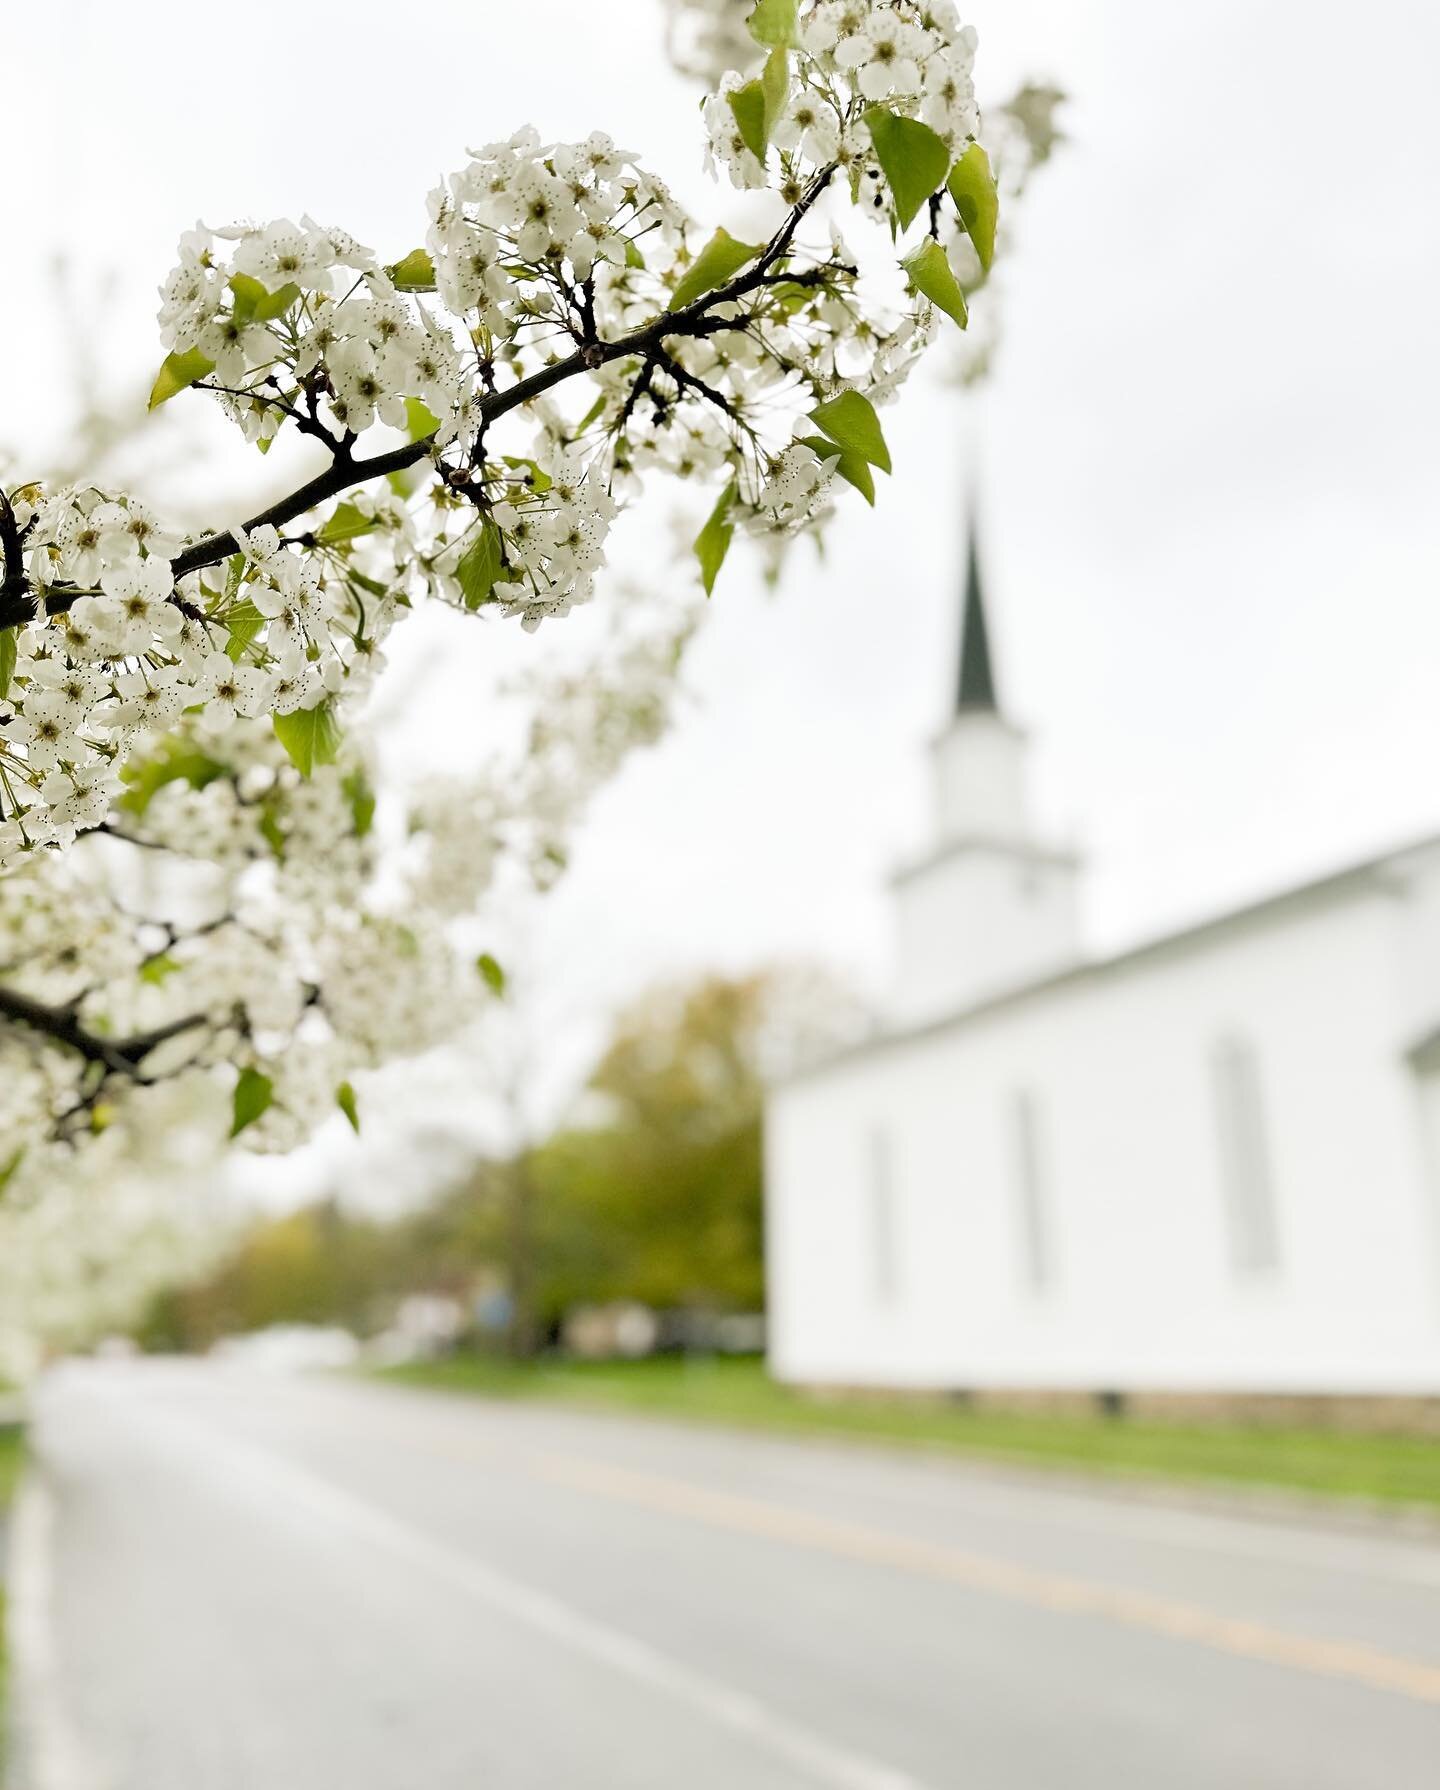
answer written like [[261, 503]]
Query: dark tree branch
[[642, 384], [108, 830], [140, 1044], [118, 1056], [306, 421], [587, 310], [685, 380], [14, 584]]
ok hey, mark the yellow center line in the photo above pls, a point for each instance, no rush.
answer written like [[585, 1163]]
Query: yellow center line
[[1354, 1662]]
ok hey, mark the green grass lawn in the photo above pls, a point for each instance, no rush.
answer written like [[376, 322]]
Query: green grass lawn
[[1397, 1469]]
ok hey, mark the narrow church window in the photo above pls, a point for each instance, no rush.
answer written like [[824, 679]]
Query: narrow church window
[[1036, 1264], [883, 1243], [1250, 1212]]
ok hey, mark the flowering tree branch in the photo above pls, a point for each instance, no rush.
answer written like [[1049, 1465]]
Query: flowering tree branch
[[700, 318], [188, 694], [546, 270], [565, 336], [302, 977]]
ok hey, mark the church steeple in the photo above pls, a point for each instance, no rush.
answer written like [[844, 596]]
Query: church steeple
[[990, 906], [976, 690]]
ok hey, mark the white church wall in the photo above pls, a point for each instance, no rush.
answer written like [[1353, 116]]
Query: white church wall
[[1122, 1074], [1416, 959], [1427, 1098]]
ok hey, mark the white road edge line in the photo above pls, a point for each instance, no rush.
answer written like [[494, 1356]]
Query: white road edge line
[[298, 1490]]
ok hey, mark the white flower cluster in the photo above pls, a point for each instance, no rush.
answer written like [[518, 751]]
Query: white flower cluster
[[912, 57], [522, 202], [306, 952], [554, 540], [798, 481], [276, 311], [128, 652]]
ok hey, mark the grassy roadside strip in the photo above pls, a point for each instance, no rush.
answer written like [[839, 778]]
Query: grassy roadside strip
[[1400, 1470], [12, 1450]]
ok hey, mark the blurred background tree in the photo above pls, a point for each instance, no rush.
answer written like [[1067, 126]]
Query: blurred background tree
[[650, 1191]]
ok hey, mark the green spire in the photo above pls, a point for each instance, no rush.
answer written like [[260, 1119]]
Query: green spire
[[976, 691]]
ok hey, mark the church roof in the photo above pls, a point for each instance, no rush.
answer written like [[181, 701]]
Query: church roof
[[976, 691], [1370, 875]]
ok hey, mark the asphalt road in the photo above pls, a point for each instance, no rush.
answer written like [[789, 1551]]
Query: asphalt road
[[232, 1582]]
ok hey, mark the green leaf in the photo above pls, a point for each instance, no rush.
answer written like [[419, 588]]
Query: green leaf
[[173, 760], [253, 1096], [931, 273], [271, 831], [177, 371], [8, 652], [493, 974], [713, 541], [851, 423], [774, 22], [243, 622], [536, 476], [720, 260], [758, 104], [361, 799], [914, 158], [155, 969], [481, 564], [596, 410], [972, 187], [633, 257], [345, 1100], [245, 294], [371, 586], [276, 303], [234, 576], [420, 419], [748, 105], [775, 82], [11, 1166], [254, 303], [309, 736], [787, 297], [416, 273], [852, 467], [346, 522]]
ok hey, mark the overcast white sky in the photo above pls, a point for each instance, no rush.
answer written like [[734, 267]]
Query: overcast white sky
[[1209, 456]]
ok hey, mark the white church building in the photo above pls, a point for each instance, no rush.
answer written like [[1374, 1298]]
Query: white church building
[[1208, 1164]]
